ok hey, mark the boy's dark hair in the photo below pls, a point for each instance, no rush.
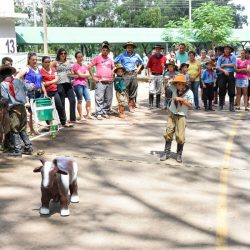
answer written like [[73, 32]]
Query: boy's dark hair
[[6, 59]]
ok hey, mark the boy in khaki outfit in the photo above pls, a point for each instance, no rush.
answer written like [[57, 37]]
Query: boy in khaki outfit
[[182, 100]]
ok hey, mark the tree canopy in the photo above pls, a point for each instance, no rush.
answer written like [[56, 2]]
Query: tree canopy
[[120, 13], [211, 24]]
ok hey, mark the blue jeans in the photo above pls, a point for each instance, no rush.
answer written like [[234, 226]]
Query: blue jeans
[[195, 89], [82, 91]]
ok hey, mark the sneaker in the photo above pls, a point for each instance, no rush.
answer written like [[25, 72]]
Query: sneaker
[[246, 109], [198, 107], [99, 117], [27, 151], [237, 108]]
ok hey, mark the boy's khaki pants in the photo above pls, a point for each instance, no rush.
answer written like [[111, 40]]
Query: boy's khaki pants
[[176, 124]]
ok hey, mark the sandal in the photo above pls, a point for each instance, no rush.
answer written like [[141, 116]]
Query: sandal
[[90, 117], [68, 125]]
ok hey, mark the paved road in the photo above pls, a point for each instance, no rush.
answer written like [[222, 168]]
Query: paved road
[[131, 200]]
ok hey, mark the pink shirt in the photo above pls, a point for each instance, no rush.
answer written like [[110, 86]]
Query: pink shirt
[[104, 68], [83, 70], [242, 65]]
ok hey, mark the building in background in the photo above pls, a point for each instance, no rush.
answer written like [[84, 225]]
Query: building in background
[[8, 45]]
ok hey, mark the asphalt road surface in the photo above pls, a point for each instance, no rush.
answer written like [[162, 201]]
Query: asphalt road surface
[[128, 198]]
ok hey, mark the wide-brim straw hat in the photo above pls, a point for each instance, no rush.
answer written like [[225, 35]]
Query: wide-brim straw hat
[[172, 63], [119, 66], [180, 78], [129, 43], [229, 46]]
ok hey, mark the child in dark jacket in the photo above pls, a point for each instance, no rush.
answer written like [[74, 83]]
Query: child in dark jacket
[[13, 93], [208, 78], [120, 88]]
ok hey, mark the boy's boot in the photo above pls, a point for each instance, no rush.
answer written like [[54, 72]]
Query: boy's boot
[[205, 105], [179, 152], [151, 100], [158, 100], [221, 102], [210, 106], [216, 97], [7, 144], [231, 104], [121, 112], [27, 144], [16, 151], [167, 151]]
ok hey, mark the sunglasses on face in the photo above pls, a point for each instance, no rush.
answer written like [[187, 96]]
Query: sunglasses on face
[[63, 53], [46, 61]]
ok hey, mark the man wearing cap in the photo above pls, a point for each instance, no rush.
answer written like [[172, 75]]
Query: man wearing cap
[[13, 93], [156, 65], [104, 82], [182, 100], [110, 55], [132, 64], [182, 55], [226, 63]]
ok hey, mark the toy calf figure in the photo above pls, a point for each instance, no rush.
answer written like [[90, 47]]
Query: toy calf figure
[[58, 177]]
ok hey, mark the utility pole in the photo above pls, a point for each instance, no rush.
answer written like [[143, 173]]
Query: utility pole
[[190, 11], [34, 13], [45, 37]]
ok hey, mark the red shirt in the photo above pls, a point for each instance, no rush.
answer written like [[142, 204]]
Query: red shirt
[[47, 77], [157, 65]]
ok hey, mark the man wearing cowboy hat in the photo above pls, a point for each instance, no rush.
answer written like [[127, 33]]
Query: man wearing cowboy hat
[[156, 65], [226, 64], [182, 100], [132, 64], [13, 92]]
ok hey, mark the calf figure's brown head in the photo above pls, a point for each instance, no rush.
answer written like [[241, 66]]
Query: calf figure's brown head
[[49, 170]]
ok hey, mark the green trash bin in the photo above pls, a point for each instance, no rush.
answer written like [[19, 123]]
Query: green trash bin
[[46, 114]]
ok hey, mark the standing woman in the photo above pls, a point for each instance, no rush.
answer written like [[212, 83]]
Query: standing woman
[[64, 87], [32, 75], [80, 85], [242, 66], [50, 80], [194, 72]]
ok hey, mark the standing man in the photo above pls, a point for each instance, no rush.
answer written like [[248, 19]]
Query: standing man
[[155, 67], [219, 51], [132, 64], [182, 55], [226, 64], [104, 82]]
